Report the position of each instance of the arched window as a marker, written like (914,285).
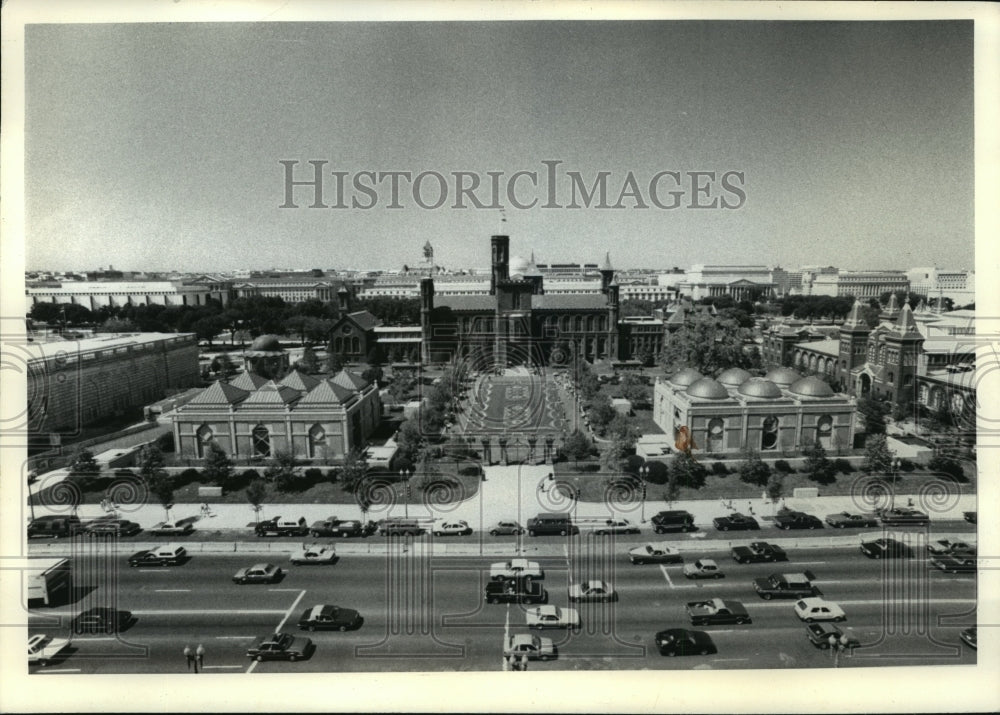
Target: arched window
(590,323)
(769,433)
(957,404)
(205,437)
(338,344)
(564,323)
(922,398)
(355,345)
(317,441)
(261,441)
(579,323)
(715,433)
(824,431)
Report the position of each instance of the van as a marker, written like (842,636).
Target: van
(675,520)
(53,527)
(551,523)
(397,527)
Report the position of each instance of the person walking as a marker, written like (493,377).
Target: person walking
(188,656)
(201,656)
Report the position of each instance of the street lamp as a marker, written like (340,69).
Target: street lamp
(405,475)
(895,473)
(643,475)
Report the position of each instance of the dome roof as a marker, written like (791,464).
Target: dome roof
(267,343)
(811,386)
(518,266)
(733,376)
(783,376)
(759,387)
(685,377)
(708,389)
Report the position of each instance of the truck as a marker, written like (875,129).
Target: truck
(797,520)
(48,580)
(785,585)
(341,527)
(758,551)
(716,610)
(515,590)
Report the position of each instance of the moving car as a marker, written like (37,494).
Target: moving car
(550,616)
(281,646)
(515,568)
(673,520)
(333,618)
(550,523)
(681,641)
(715,611)
(615,526)
(340,527)
(515,590)
(451,527)
(172,528)
(953,548)
(703,568)
(785,585)
(901,516)
(258,573)
(593,590)
(821,635)
(885,548)
(736,522)
(955,564)
(660,553)
(113,527)
(166,555)
(42,649)
(54,527)
(797,520)
(969,636)
(757,552)
(531,646)
(818,609)
(282,527)
(314,554)
(506,528)
(845,519)
(101,619)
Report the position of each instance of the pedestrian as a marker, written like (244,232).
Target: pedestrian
(201,655)
(188,656)
(524,662)
(750,507)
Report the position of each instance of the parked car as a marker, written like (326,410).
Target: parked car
(955,564)
(715,611)
(550,616)
(340,527)
(548,523)
(334,618)
(258,573)
(53,527)
(451,527)
(901,516)
(282,527)
(593,590)
(703,568)
(113,527)
(818,609)
(529,646)
(758,551)
(659,553)
(516,568)
(681,641)
(845,519)
(821,634)
(614,526)
(969,637)
(954,548)
(797,520)
(172,528)
(673,520)
(281,646)
(43,649)
(102,619)
(785,585)
(400,527)
(969,516)
(506,528)
(735,522)
(885,548)
(166,555)
(314,554)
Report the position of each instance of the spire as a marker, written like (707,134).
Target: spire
(607,262)
(855,319)
(891,310)
(906,326)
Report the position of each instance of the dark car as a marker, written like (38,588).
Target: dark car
(53,526)
(969,636)
(113,527)
(681,641)
(506,528)
(845,519)
(341,527)
(102,619)
(330,618)
(955,564)
(673,520)
(757,552)
(823,635)
(969,516)
(515,590)
(735,522)
(258,573)
(900,516)
(797,520)
(281,646)
(282,527)
(886,548)
(716,611)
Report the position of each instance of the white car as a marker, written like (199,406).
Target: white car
(314,554)
(531,646)
(593,590)
(451,527)
(818,609)
(703,568)
(515,568)
(615,526)
(42,649)
(549,616)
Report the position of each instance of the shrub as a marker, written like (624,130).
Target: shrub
(842,465)
(469,470)
(313,475)
(947,465)
(783,466)
(658,473)
(587,468)
(720,469)
(186,477)
(165,442)
(249,475)
(906,465)
(332,475)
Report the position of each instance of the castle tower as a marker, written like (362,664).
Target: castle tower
(903,343)
(613,311)
(343,299)
(426,308)
(853,344)
(891,311)
(607,273)
(500,261)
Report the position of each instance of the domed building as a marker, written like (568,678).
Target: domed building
(781,412)
(266,357)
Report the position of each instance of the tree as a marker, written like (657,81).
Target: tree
(308,363)
(149,460)
(601,413)
(372,374)
(687,472)
(84,463)
(256,493)
(218,466)
(633,389)
(410,441)
(113,325)
(946,465)
(672,489)
(223,364)
(281,470)
(645,356)
(709,344)
(878,456)
(577,446)
(161,485)
(817,466)
(402,386)
(873,412)
(207,327)
(335,361)
(354,469)
(753,470)
(614,455)
(774,488)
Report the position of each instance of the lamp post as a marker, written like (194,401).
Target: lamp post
(895,473)
(643,475)
(405,474)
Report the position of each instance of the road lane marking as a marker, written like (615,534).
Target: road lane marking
(234,638)
(206,667)
(95,638)
(289,611)
(284,590)
(59,670)
(729,660)
(663,570)
(172,590)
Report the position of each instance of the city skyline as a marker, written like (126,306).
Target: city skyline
(173,136)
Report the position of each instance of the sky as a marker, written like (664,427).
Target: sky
(158,146)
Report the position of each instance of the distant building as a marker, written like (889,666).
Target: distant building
(96,294)
(290,290)
(936,283)
(738,282)
(859,284)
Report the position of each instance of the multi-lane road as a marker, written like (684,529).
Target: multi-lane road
(424,612)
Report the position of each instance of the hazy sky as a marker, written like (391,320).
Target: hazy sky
(157,146)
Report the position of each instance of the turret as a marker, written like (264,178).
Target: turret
(501,261)
(343,299)
(607,273)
